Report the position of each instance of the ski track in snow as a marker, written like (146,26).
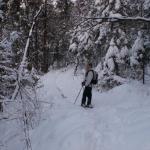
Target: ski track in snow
(120,119)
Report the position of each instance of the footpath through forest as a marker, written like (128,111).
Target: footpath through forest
(120,119)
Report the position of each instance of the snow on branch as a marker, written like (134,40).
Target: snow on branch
(119,18)
(21,67)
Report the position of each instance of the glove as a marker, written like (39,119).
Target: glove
(83,83)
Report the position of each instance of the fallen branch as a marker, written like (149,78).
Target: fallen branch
(21,67)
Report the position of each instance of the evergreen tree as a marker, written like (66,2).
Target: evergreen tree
(8,75)
(91,37)
(137,50)
(137,58)
(110,64)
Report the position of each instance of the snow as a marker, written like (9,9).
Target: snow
(111,1)
(113,50)
(146,4)
(117,4)
(102,34)
(97,2)
(23,5)
(83,38)
(124,52)
(14,36)
(73,47)
(115,15)
(137,49)
(1,14)
(7,42)
(120,118)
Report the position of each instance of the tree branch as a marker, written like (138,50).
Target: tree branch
(21,67)
(123,18)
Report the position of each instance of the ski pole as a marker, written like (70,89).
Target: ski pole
(78,95)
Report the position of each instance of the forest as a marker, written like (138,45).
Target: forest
(38,37)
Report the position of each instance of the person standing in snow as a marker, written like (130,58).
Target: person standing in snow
(87,93)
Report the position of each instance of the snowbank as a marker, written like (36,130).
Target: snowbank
(120,118)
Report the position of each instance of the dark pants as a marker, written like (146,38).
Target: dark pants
(87,94)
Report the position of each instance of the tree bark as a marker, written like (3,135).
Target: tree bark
(45,48)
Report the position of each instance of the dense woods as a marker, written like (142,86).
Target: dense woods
(72,33)
(40,35)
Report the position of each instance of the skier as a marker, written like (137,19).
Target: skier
(87,93)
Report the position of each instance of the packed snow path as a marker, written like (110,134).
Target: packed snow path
(120,119)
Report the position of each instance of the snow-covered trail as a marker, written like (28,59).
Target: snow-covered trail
(120,119)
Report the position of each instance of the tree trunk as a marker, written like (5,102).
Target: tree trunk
(36,48)
(143,68)
(45,48)
(1,107)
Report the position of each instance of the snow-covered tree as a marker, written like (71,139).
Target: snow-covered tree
(96,34)
(137,50)
(7,72)
(1,12)
(138,57)
(91,37)
(110,63)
